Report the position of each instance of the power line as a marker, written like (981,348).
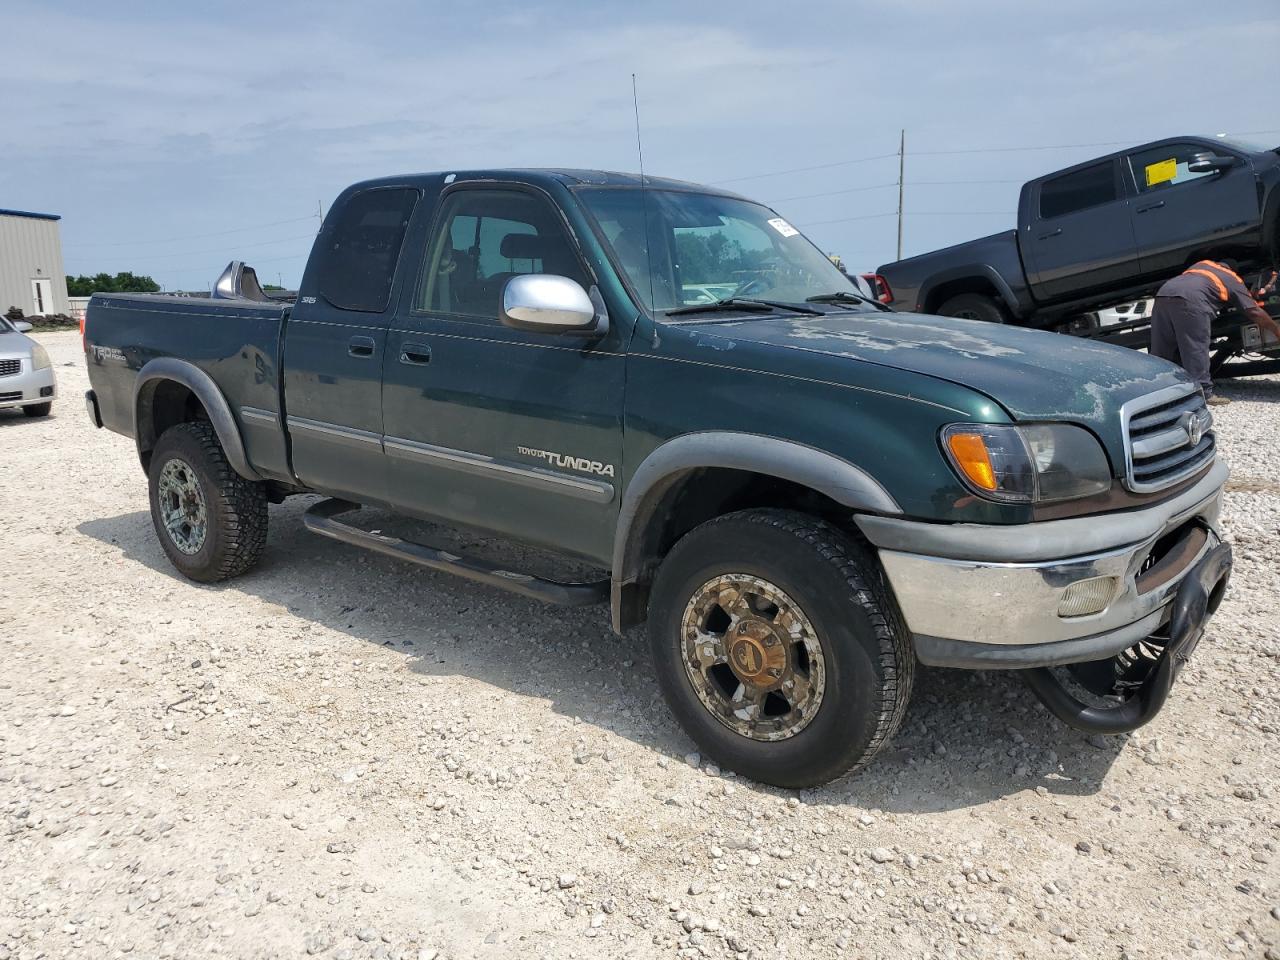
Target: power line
(1051,146)
(194,236)
(203,270)
(832,193)
(948,183)
(962,213)
(913,213)
(820,166)
(869,216)
(940,153)
(242,246)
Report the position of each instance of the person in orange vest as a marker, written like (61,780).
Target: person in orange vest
(1184,312)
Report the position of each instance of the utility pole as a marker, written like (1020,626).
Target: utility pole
(902,164)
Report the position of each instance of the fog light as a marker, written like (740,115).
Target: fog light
(1087,596)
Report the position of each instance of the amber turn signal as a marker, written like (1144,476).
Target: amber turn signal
(969,452)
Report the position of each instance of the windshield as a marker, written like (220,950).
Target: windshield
(702,248)
(1246,145)
(6,326)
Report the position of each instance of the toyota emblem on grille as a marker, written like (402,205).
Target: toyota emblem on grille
(1194,425)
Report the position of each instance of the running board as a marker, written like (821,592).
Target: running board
(319,519)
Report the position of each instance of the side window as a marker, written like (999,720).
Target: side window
(1078,190)
(362,247)
(1165,167)
(483,239)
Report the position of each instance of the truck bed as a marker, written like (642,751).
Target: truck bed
(129,330)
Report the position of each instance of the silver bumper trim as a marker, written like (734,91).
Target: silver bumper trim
(990,604)
(1049,539)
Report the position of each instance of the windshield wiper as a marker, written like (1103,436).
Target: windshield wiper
(744,303)
(845,296)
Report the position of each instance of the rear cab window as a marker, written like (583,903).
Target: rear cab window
(358,252)
(1091,186)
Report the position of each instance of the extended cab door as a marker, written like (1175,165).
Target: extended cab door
(1180,216)
(506,430)
(334,345)
(1078,237)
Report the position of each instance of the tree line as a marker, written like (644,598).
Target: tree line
(125,282)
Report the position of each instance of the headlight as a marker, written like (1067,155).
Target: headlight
(1027,464)
(39,357)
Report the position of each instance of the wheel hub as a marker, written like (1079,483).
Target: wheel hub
(182,506)
(752,657)
(756,655)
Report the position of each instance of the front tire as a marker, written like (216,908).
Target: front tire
(779,648)
(212,522)
(975,306)
(38,409)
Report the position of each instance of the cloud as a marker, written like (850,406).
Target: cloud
(152,121)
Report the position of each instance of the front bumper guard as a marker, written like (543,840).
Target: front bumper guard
(1194,603)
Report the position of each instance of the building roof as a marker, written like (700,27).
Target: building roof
(28,213)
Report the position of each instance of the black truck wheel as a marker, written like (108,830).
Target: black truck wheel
(975,306)
(779,648)
(212,522)
(38,409)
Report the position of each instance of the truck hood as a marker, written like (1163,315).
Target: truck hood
(1033,374)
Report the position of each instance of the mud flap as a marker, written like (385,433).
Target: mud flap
(1196,600)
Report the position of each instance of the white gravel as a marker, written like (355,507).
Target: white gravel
(340,755)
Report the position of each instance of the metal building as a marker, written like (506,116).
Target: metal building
(31,274)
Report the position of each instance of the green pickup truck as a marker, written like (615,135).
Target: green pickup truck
(800,492)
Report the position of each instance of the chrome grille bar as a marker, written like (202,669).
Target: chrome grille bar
(1168,437)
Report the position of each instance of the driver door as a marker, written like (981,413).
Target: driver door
(512,431)
(1180,216)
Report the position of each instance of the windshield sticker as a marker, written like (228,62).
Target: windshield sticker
(1161,172)
(784,228)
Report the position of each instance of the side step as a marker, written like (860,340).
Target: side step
(319,519)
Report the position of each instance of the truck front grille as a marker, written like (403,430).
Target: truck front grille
(9,367)
(12,395)
(1168,437)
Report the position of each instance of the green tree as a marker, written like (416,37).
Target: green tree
(124,282)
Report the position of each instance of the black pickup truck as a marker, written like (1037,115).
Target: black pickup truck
(802,492)
(1104,231)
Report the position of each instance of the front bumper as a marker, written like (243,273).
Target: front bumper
(989,597)
(28,386)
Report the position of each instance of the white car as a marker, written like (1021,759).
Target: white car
(1124,312)
(26,375)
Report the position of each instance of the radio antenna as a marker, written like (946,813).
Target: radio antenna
(644,193)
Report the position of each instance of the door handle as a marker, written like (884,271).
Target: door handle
(415,353)
(1150,206)
(1052,233)
(360,347)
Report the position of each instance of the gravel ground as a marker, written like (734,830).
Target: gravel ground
(344,756)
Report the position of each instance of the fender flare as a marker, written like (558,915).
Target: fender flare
(972,271)
(215,404)
(661,470)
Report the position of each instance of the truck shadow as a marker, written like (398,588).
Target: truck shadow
(13,417)
(968,738)
(1257,389)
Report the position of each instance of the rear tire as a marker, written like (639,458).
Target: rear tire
(792,583)
(212,522)
(975,306)
(38,409)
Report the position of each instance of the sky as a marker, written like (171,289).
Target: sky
(173,138)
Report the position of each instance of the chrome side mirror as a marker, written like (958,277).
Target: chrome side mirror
(21,326)
(547,303)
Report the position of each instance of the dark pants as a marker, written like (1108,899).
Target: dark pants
(1180,332)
